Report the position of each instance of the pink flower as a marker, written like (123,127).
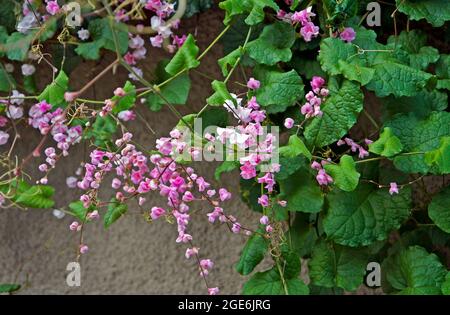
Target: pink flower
(3,121)
(206,264)
(282,203)
(317,82)
(362,153)
(253,84)
(224,194)
(3,137)
(74,226)
(213,291)
(156,41)
(348,34)
(308,31)
(126,115)
(248,171)
(263,200)
(191,252)
(323,178)
(264,220)
(52,7)
(315,165)
(84,249)
(157,212)
(93,215)
(129,58)
(393,188)
(236,228)
(269,229)
(289,123)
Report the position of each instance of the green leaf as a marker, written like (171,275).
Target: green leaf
(338,57)
(197,6)
(270,48)
(91,50)
(8,287)
(253,252)
(340,111)
(278,90)
(417,137)
(302,234)
(392,77)
(54,92)
(102,131)
(103,30)
(294,148)
(229,60)
(443,67)
(436,12)
(365,215)
(446,285)
(7,82)
(17,46)
(301,192)
(387,145)
(421,104)
(333,265)
(413,42)
(220,95)
(176,91)
(8,11)
(38,196)
(78,210)
(225,167)
(439,210)
(185,58)
(125,102)
(115,211)
(289,165)
(440,157)
(344,174)
(414,271)
(254,9)
(306,67)
(270,283)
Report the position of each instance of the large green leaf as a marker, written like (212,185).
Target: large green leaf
(270,48)
(439,210)
(26,195)
(54,92)
(278,90)
(9,287)
(414,271)
(365,215)
(17,46)
(220,94)
(344,174)
(106,30)
(440,158)
(419,136)
(254,9)
(301,192)
(115,210)
(185,58)
(270,283)
(7,82)
(446,285)
(435,12)
(333,265)
(127,101)
(340,112)
(295,147)
(78,210)
(414,43)
(387,145)
(253,252)
(90,50)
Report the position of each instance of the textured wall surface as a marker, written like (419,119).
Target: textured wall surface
(132,256)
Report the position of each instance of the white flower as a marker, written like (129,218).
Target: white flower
(71,181)
(29,21)
(28,69)
(3,137)
(138,72)
(162,30)
(136,42)
(83,34)
(239,112)
(17,98)
(58,213)
(14,112)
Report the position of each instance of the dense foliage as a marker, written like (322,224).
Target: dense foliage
(362,111)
